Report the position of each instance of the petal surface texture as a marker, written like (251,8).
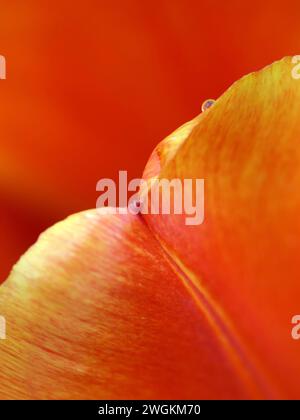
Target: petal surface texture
(92,312)
(245,256)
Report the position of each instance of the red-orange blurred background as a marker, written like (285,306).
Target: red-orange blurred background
(93,86)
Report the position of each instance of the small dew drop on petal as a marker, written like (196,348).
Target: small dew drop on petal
(207,104)
(135,207)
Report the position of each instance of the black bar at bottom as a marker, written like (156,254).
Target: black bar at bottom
(129,409)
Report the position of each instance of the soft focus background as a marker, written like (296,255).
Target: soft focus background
(93,86)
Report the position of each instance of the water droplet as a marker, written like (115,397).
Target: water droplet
(207,104)
(135,207)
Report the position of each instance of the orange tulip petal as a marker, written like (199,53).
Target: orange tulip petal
(245,256)
(93,313)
